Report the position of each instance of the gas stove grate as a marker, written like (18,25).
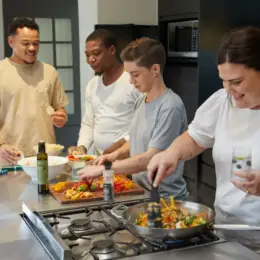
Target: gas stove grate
(141,246)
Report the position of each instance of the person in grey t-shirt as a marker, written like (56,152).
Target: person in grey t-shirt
(155,125)
(159,118)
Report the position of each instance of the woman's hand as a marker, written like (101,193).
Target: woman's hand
(91,172)
(251,184)
(164,163)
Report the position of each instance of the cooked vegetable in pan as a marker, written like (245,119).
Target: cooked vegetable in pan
(173,217)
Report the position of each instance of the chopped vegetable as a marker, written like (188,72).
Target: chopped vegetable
(173,217)
(86,194)
(93,187)
(83,189)
(84,185)
(80,158)
(59,186)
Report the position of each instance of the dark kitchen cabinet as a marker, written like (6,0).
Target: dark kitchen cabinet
(215,19)
(196,82)
(182,79)
(177,8)
(126,33)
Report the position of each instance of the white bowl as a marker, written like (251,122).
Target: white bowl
(80,164)
(51,149)
(56,165)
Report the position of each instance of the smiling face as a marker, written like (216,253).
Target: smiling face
(98,56)
(25,45)
(242,83)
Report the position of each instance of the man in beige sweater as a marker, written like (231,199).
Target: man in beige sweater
(32,98)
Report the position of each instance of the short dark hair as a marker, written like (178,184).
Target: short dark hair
(146,52)
(107,37)
(21,22)
(241,46)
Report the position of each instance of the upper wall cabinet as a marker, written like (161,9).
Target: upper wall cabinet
(178,8)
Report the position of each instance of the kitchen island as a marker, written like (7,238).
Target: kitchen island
(17,241)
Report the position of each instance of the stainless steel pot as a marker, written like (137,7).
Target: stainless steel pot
(129,215)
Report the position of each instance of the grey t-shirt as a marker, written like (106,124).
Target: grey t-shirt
(156,125)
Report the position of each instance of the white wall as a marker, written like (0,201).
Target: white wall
(87,19)
(92,12)
(143,12)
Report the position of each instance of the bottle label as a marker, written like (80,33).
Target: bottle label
(108,192)
(42,172)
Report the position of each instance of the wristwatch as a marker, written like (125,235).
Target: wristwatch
(108,165)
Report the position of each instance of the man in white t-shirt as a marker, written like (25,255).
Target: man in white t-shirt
(110,98)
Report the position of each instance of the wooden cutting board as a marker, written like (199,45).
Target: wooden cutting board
(97,195)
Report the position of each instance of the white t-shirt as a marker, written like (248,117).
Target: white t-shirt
(108,112)
(219,124)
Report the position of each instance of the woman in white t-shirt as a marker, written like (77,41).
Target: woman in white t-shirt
(229,118)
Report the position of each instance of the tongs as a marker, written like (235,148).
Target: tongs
(154,207)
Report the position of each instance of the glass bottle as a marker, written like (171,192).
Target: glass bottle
(42,169)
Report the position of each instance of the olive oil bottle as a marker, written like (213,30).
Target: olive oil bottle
(42,169)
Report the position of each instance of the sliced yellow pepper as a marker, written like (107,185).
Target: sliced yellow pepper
(172,202)
(164,203)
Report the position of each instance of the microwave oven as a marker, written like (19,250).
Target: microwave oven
(183,39)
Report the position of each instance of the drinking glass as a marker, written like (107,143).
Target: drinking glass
(241,161)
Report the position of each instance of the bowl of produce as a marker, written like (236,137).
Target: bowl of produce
(78,162)
(56,165)
(51,149)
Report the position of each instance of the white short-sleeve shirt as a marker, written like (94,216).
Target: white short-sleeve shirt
(218,124)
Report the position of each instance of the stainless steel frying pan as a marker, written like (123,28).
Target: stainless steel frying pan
(131,214)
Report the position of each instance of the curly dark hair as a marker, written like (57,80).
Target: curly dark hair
(21,22)
(107,37)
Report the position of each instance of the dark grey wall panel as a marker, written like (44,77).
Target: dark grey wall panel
(182,79)
(206,195)
(178,7)
(207,175)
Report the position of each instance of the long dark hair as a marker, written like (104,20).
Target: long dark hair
(241,46)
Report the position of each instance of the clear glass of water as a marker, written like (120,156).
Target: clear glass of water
(241,161)
(77,166)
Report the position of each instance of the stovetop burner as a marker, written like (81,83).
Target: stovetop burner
(106,246)
(80,224)
(174,242)
(94,233)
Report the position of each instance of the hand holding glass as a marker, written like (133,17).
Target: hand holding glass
(241,161)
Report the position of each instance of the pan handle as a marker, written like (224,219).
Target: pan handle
(236,227)
(118,210)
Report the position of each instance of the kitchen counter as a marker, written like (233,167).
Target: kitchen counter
(221,251)
(18,242)
(16,187)
(16,239)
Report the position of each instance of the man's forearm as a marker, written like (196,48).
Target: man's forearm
(86,134)
(115,146)
(134,164)
(123,152)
